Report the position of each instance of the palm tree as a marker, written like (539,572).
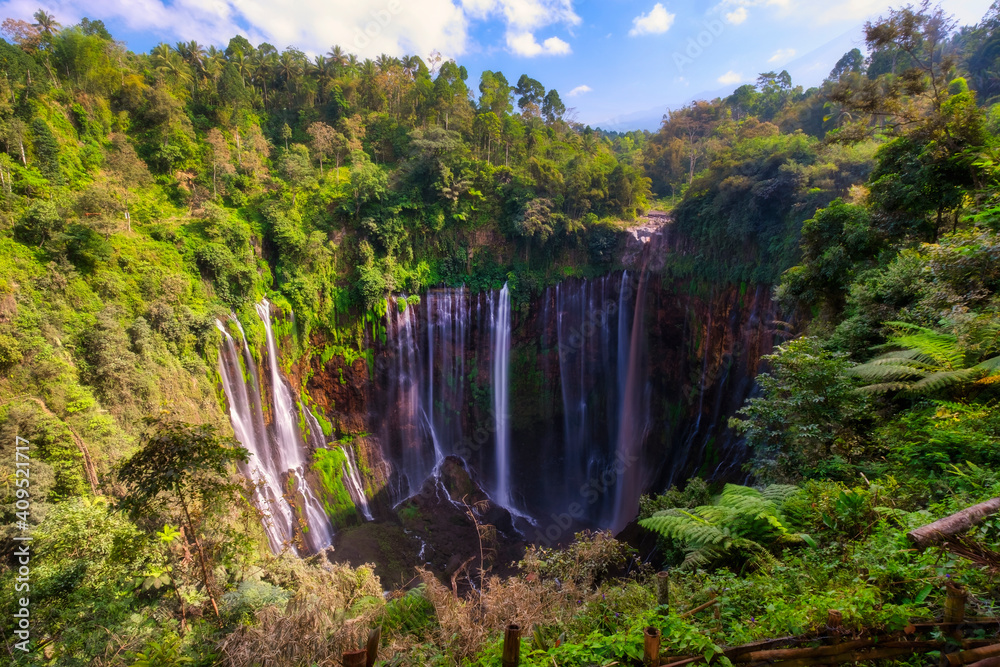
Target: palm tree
(242,65)
(46,24)
(195,55)
(385,62)
(369,85)
(263,65)
(47,28)
(214,63)
(309,91)
(289,70)
(338,59)
(411,65)
(322,68)
(352,65)
(171,66)
(160,53)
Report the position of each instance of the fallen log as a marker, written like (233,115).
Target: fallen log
(987,662)
(701,607)
(851,656)
(762,645)
(972,622)
(957,523)
(973,655)
(792,653)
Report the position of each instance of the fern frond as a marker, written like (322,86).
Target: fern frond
(740,490)
(942,348)
(779,493)
(686,529)
(989,366)
(883,387)
(886,371)
(942,379)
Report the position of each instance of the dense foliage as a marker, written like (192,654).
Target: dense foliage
(143,196)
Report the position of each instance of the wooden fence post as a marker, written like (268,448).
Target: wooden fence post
(663,590)
(355,658)
(954,606)
(651,647)
(372,647)
(834,619)
(512,646)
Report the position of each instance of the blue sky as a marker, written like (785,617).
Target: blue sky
(616,62)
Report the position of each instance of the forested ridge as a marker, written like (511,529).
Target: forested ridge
(144,197)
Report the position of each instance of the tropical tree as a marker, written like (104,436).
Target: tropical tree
(809,415)
(324,143)
(186,467)
(553,107)
(531,94)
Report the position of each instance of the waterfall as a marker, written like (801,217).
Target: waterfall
(447,315)
(354,485)
(289,441)
(500,332)
(436,348)
(248,424)
(633,417)
(570,440)
(351,479)
(409,427)
(585,322)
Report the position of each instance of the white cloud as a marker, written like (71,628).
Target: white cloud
(580,90)
(730,78)
(737,16)
(737,11)
(782,56)
(524,15)
(525,44)
(395,27)
(523,18)
(656,22)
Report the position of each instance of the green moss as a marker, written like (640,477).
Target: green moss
(329,463)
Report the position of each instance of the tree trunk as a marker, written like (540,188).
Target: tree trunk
(201,557)
(957,523)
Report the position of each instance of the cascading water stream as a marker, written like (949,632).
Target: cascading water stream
(248,425)
(354,485)
(350,477)
(410,412)
(290,445)
(500,331)
(633,417)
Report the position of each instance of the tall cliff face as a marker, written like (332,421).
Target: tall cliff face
(565,409)
(701,347)
(617,385)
